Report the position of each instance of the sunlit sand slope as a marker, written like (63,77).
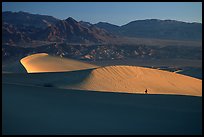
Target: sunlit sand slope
(133,79)
(43,62)
(129,79)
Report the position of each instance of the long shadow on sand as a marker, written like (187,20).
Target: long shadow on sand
(46,79)
(52,111)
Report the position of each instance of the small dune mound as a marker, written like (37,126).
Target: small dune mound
(132,79)
(43,62)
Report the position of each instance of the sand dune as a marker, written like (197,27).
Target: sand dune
(48,103)
(128,79)
(131,79)
(43,62)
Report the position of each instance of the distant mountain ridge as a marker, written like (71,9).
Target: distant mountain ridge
(155,28)
(28,19)
(70,30)
(21,27)
(109,27)
(24,34)
(24,27)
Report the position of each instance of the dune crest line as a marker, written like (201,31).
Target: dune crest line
(128,79)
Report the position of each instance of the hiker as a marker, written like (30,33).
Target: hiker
(146,91)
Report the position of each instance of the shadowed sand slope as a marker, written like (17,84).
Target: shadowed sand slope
(51,111)
(13,67)
(43,62)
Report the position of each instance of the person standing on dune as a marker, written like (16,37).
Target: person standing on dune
(146,91)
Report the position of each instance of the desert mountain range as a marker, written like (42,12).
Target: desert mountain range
(25,27)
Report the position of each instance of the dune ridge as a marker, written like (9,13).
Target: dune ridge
(132,79)
(128,79)
(42,62)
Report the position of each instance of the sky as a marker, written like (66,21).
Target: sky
(118,13)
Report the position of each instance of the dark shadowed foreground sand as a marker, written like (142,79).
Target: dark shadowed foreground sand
(46,110)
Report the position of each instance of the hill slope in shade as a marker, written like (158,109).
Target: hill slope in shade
(129,79)
(43,62)
(156,28)
(28,20)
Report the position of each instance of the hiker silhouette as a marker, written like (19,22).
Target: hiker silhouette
(146,91)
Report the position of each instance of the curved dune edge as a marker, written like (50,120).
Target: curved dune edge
(132,79)
(42,62)
(127,79)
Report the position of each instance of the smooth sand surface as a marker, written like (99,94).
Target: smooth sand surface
(111,79)
(132,79)
(42,62)
(31,110)
(128,79)
(13,67)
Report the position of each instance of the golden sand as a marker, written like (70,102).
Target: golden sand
(132,79)
(43,62)
(128,79)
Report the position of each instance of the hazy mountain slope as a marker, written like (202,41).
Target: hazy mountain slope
(28,20)
(70,30)
(46,28)
(11,34)
(109,27)
(155,28)
(85,24)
